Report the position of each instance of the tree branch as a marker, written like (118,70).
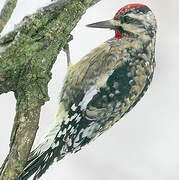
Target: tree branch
(27,55)
(6,12)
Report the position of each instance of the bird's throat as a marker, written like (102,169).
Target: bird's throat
(119,35)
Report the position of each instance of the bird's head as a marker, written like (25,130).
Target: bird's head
(132,20)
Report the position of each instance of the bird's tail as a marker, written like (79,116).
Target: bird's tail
(51,147)
(39,163)
(34,164)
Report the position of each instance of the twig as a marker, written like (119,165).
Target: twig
(6,12)
(67,52)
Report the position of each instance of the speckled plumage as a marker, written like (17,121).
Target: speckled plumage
(100,88)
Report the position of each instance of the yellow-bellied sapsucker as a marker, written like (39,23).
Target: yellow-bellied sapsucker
(100,88)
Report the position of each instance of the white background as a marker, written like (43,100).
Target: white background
(144,145)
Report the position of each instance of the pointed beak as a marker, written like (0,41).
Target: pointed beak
(110,24)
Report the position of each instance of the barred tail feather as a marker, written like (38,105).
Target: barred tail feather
(33,165)
(43,156)
(38,164)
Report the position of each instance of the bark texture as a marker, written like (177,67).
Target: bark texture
(27,55)
(6,12)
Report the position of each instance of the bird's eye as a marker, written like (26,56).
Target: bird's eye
(130,20)
(127,19)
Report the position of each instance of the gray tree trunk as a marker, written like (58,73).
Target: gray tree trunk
(27,55)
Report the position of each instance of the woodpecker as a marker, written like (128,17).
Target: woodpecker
(101,88)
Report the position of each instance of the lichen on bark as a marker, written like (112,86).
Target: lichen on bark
(6,12)
(27,55)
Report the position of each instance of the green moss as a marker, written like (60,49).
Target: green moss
(26,56)
(30,51)
(6,12)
